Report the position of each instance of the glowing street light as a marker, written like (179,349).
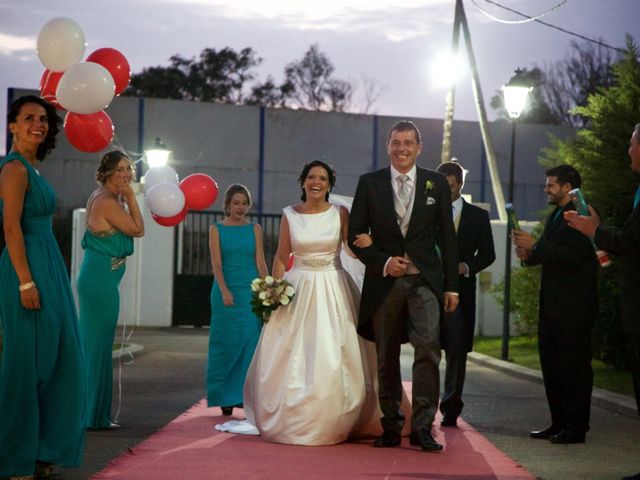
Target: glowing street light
(515,92)
(158,156)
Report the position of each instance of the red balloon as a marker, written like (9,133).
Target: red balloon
(170,221)
(290,262)
(200,191)
(88,133)
(48,85)
(117,65)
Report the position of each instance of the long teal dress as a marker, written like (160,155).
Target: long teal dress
(100,274)
(234,330)
(42,382)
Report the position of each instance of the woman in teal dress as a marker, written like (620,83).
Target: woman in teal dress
(237,257)
(113,218)
(42,382)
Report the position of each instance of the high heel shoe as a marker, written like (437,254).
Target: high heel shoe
(43,470)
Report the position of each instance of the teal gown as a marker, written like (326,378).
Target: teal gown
(42,382)
(102,269)
(234,330)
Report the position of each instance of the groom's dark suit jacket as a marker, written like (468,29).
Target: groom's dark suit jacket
(431,224)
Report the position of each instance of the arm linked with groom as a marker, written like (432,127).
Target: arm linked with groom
(411,276)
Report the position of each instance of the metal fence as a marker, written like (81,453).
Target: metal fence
(193,256)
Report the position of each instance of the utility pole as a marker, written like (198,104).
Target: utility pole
(460,20)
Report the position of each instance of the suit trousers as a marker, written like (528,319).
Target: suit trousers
(455,347)
(564,344)
(410,310)
(634,357)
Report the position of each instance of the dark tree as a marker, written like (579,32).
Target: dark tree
(216,76)
(570,82)
(561,87)
(314,87)
(537,111)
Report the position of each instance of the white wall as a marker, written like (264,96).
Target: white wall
(146,291)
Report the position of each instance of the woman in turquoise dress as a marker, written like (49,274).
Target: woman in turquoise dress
(113,218)
(237,257)
(42,382)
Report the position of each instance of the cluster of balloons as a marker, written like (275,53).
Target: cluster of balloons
(84,89)
(170,199)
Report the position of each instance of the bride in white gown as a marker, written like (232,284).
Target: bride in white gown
(311,381)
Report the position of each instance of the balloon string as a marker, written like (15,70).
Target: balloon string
(124,350)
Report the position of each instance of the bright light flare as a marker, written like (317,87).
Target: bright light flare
(446,69)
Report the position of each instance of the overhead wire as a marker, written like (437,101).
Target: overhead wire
(537,19)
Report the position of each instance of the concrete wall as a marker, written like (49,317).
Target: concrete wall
(224,141)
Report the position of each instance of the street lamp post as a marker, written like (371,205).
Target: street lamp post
(515,94)
(158,156)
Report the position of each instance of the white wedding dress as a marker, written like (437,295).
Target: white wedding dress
(312,378)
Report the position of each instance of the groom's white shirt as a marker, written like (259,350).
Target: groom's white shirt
(395,185)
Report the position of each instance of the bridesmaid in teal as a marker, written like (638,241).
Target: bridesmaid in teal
(112,219)
(237,257)
(42,382)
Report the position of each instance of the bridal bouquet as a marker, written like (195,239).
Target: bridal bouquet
(268,294)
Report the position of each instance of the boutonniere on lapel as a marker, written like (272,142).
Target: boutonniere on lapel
(428,186)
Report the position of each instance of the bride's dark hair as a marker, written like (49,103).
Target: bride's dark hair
(307,168)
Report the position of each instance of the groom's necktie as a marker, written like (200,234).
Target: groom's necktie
(636,199)
(403,191)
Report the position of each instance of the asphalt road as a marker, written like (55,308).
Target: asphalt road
(168,377)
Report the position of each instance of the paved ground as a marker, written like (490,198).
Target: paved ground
(168,377)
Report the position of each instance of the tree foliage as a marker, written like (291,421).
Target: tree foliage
(215,76)
(537,111)
(313,85)
(566,84)
(599,153)
(228,76)
(570,82)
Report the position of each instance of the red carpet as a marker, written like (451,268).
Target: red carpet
(189,448)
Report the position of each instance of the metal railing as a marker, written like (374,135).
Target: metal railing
(192,245)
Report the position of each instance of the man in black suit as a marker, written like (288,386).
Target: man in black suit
(407,211)
(568,308)
(475,253)
(624,242)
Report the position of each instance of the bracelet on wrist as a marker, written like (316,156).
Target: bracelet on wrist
(26,286)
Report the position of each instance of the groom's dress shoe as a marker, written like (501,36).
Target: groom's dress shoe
(387,440)
(545,434)
(567,436)
(425,441)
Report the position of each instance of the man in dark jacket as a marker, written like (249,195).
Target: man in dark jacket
(475,253)
(568,309)
(625,243)
(407,211)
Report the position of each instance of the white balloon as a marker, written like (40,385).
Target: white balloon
(156,175)
(60,44)
(85,88)
(165,199)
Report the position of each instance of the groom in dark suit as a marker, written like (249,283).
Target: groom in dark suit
(411,276)
(475,253)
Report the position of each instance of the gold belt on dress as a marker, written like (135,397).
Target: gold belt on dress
(117,262)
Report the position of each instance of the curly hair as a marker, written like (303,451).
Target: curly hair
(108,164)
(53,120)
(331,173)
